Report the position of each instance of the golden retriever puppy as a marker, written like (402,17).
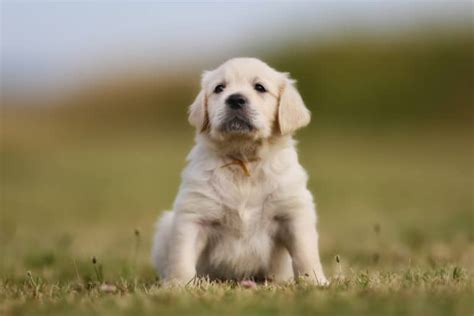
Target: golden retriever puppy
(243,210)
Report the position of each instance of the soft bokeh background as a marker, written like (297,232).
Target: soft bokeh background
(94,130)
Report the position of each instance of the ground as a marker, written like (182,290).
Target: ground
(394,208)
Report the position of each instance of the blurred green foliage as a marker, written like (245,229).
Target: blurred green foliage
(361,81)
(394,80)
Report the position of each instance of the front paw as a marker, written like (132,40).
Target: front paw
(179,279)
(322,281)
(177,283)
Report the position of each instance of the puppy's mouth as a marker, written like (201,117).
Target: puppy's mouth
(237,124)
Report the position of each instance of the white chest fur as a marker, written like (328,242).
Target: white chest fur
(241,235)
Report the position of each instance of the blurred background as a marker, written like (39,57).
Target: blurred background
(94,131)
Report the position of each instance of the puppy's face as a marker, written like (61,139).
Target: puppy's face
(246,98)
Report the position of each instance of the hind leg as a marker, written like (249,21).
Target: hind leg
(179,241)
(160,249)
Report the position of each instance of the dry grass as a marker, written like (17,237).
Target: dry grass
(395,207)
(441,291)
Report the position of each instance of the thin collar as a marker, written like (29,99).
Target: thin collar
(241,163)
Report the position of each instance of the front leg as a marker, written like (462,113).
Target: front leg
(187,241)
(301,239)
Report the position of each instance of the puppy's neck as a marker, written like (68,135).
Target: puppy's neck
(245,149)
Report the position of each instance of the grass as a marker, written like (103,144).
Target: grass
(394,206)
(440,291)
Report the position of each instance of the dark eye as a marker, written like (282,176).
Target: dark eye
(219,88)
(260,88)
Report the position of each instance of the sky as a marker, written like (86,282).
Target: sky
(51,44)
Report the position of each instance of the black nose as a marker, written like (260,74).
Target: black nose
(236,101)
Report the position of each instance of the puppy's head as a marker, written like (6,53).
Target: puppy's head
(244,97)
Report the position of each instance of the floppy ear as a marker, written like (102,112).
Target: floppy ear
(198,112)
(292,113)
